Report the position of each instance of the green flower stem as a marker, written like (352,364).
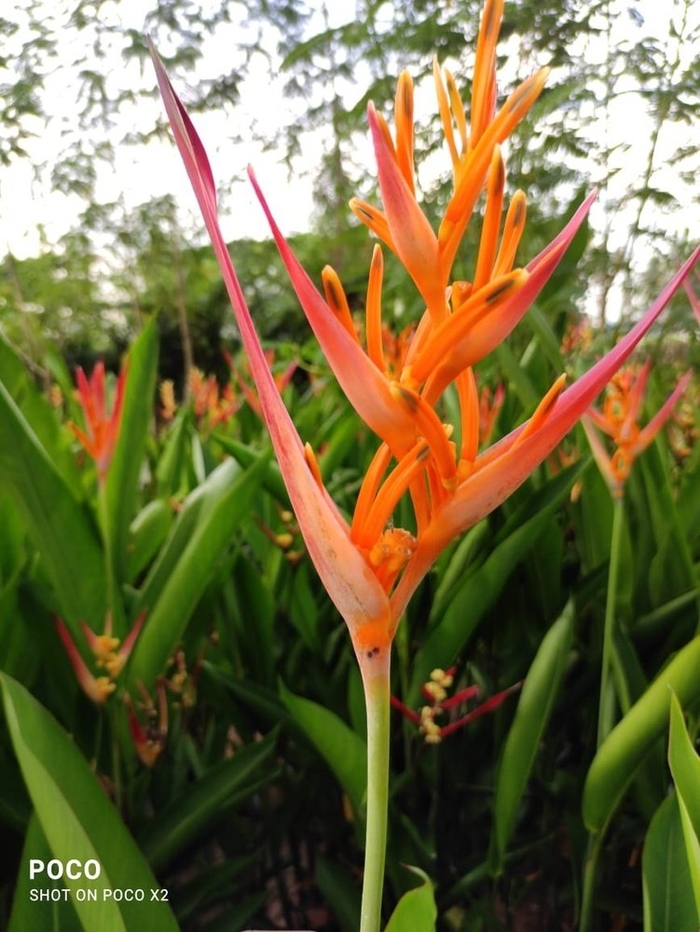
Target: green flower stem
(375,676)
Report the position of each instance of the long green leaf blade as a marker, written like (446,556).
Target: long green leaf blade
(535,705)
(79,821)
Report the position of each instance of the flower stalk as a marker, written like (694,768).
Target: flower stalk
(377,687)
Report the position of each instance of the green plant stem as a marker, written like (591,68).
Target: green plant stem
(375,676)
(590,870)
(606,707)
(103,511)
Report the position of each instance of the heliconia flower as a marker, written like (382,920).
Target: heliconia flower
(369,567)
(435,691)
(149,739)
(110,655)
(217,405)
(98,689)
(619,420)
(578,338)
(102,429)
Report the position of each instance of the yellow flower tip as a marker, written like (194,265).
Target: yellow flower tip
(335,295)
(362,209)
(554,392)
(465,468)
(435,691)
(312,463)
(406,396)
(429,728)
(406,379)
(542,411)
(103,647)
(114,664)
(284,541)
(524,96)
(498,290)
(450,483)
(404,97)
(100,689)
(337,300)
(441,677)
(373,218)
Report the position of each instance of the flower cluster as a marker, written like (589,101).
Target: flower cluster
(101,428)
(369,566)
(110,655)
(439,703)
(619,420)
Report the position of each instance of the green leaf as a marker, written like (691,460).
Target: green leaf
(30,912)
(169,470)
(341,892)
(416,910)
(212,884)
(37,412)
(61,529)
(147,533)
(626,746)
(685,769)
(535,705)
(79,821)
(203,531)
(271,479)
(122,484)
(252,601)
(261,700)
(343,750)
(202,804)
(669,904)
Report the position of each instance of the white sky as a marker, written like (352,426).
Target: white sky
(142,172)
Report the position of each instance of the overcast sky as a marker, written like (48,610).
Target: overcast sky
(142,172)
